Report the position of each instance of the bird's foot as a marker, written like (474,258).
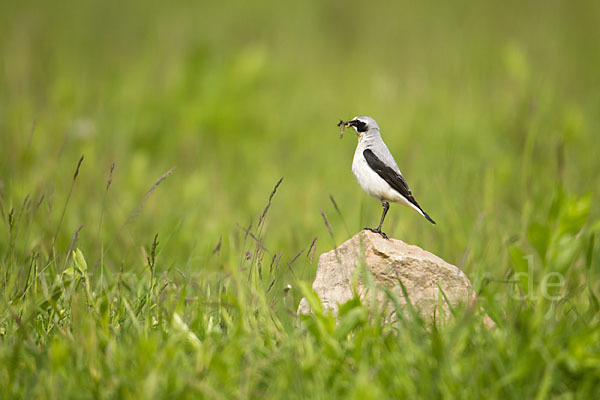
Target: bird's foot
(383,235)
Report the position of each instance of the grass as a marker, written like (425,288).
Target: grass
(148,241)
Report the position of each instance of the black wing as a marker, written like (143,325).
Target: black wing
(394,179)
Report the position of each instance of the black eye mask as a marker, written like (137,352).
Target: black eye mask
(359,125)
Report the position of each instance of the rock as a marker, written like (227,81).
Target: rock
(390,260)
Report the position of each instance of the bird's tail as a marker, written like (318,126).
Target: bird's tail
(428,217)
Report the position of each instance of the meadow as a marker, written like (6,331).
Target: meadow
(167,169)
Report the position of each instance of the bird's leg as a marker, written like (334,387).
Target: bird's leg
(386,206)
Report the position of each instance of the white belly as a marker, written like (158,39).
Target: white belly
(373,184)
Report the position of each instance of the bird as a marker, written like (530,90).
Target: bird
(376,170)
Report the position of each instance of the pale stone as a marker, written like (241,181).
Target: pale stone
(390,260)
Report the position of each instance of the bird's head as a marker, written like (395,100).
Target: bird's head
(361,124)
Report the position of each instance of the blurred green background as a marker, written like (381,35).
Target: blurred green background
(475,99)
(488,107)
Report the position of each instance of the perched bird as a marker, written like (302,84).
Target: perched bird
(376,170)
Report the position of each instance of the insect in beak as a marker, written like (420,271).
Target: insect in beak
(343,125)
